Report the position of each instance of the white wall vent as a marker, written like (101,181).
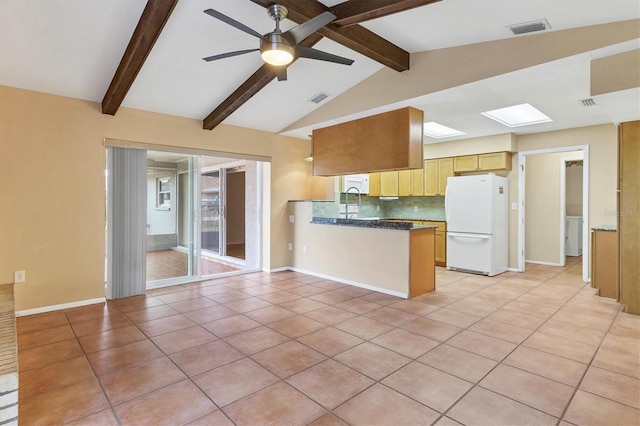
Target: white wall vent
(529,27)
(316,99)
(588,102)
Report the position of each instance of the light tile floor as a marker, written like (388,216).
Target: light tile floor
(286,348)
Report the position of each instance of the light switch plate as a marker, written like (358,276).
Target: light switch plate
(514,206)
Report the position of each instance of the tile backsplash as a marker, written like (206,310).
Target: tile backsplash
(428,208)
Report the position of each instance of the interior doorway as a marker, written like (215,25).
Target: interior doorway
(545,204)
(571,207)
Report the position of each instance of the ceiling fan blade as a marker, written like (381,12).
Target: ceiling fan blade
(311,53)
(232,22)
(305,29)
(228,54)
(281,73)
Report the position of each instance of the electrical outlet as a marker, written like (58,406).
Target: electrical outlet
(415,208)
(19,277)
(514,206)
(292,218)
(377,208)
(304,248)
(290,246)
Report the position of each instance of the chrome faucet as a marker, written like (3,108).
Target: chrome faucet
(346,200)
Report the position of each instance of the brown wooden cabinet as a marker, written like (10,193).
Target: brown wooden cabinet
(441,241)
(482,162)
(629,215)
(374,185)
(494,161)
(411,182)
(436,173)
(467,163)
(388,184)
(445,170)
(604,262)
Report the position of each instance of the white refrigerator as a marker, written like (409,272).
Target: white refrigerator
(477,224)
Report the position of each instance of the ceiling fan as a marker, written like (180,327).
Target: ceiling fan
(280,48)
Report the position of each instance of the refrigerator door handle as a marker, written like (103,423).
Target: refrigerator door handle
(476,236)
(446,203)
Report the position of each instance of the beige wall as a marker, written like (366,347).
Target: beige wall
(52,207)
(483,145)
(602,142)
(370,257)
(542,207)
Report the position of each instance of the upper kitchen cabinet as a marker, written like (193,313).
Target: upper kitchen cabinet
(436,173)
(389,184)
(467,163)
(482,162)
(411,182)
(388,141)
(374,185)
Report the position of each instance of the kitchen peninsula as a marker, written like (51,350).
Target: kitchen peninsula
(396,258)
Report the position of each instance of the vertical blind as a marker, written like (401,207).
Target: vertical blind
(127,227)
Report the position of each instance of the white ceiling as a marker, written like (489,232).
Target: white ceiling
(73,47)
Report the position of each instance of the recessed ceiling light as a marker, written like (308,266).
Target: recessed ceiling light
(437,131)
(517,115)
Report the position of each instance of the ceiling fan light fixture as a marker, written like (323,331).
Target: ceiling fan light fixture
(276,51)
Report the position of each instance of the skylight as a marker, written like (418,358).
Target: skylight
(517,115)
(437,131)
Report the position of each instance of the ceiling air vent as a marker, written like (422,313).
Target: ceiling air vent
(529,27)
(588,102)
(316,99)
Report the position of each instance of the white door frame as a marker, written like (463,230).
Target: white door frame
(522,156)
(563,205)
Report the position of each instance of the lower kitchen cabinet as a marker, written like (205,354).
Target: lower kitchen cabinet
(604,262)
(441,240)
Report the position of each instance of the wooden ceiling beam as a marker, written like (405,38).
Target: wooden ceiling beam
(355,37)
(349,34)
(152,21)
(357,11)
(242,94)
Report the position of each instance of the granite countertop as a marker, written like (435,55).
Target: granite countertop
(312,201)
(608,228)
(370,223)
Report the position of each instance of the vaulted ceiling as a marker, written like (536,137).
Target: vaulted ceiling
(148,55)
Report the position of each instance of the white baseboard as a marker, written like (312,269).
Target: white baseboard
(353,283)
(282,269)
(512,270)
(60,307)
(543,263)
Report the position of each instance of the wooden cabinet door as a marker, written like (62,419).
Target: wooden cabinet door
(431,181)
(628,217)
(441,248)
(388,184)
(445,170)
(417,182)
(467,163)
(404,183)
(374,185)
(604,265)
(494,161)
